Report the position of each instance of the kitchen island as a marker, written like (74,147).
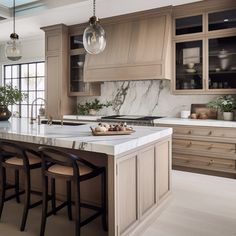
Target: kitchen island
(138,166)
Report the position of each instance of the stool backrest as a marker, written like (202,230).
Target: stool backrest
(10,149)
(51,156)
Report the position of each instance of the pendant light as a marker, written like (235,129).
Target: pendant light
(13,47)
(94,38)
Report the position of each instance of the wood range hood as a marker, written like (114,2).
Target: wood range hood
(138,48)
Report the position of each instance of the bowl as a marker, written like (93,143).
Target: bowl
(80,63)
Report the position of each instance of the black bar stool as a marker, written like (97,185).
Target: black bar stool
(73,169)
(16,157)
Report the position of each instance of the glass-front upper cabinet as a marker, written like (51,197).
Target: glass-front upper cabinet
(188,25)
(222,20)
(77,59)
(189,66)
(222,63)
(77,55)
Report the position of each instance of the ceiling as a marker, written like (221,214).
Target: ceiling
(33,14)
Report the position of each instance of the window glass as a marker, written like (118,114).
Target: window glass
(188,25)
(222,20)
(30,79)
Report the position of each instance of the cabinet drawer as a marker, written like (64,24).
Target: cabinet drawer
(181,145)
(194,161)
(207,132)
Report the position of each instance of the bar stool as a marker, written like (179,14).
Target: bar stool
(73,169)
(18,158)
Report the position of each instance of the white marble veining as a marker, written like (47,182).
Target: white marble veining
(79,137)
(150,97)
(196,122)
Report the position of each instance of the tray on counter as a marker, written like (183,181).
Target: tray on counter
(112,133)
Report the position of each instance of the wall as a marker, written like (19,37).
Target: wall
(144,98)
(32,50)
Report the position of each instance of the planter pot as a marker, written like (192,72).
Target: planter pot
(228,115)
(92,112)
(5,114)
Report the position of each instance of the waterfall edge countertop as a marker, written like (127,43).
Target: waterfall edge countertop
(79,137)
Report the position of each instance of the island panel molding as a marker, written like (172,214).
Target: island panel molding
(134,199)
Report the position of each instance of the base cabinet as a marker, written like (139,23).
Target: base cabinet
(143,182)
(210,150)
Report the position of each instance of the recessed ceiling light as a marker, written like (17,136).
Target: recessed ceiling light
(226,20)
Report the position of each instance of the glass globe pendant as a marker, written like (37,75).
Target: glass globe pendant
(13,47)
(94,37)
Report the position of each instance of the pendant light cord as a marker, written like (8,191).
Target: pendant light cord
(14,16)
(94,7)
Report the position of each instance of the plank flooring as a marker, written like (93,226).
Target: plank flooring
(201,206)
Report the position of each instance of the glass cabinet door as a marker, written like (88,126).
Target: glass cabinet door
(189,71)
(76,73)
(188,25)
(76,42)
(222,20)
(222,63)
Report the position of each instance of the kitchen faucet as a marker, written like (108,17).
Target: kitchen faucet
(32,106)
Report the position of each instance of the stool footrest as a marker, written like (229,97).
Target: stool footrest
(13,196)
(89,219)
(58,208)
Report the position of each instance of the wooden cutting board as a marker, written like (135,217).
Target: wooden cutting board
(112,133)
(202,108)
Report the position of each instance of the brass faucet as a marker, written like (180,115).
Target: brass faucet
(32,106)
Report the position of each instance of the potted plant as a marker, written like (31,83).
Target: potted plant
(8,96)
(91,108)
(226,104)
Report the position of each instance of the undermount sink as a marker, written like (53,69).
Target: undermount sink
(64,123)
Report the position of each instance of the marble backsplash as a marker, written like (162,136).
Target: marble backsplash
(151,97)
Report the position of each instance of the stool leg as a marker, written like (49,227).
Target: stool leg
(103,200)
(53,192)
(68,187)
(77,207)
(27,199)
(45,205)
(17,186)
(2,188)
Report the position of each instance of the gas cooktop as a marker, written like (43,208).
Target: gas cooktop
(131,117)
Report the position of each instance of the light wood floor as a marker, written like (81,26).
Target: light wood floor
(201,206)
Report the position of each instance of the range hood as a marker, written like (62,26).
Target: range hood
(138,48)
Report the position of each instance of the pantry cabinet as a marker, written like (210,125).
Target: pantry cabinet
(56,62)
(205,49)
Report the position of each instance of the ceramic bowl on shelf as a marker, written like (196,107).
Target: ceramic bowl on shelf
(80,63)
(190,70)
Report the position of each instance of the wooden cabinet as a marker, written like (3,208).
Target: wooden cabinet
(204,41)
(56,46)
(77,55)
(211,149)
(138,48)
(143,183)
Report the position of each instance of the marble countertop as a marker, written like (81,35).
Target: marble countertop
(196,122)
(79,137)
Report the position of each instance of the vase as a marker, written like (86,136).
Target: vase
(228,116)
(5,114)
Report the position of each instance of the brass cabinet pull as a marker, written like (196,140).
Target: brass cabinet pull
(210,162)
(190,132)
(189,144)
(210,147)
(210,133)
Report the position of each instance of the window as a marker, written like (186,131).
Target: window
(29,78)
